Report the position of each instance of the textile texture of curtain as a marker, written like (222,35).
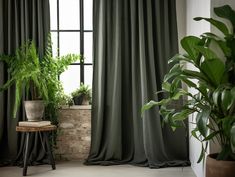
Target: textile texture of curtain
(20,21)
(133,41)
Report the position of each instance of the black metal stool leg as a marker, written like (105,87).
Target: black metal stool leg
(49,150)
(26,154)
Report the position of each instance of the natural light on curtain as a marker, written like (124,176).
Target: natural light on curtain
(66,39)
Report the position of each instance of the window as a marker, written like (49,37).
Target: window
(71,32)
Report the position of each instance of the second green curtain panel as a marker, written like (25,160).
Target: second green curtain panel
(133,39)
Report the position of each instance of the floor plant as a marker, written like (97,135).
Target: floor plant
(212,77)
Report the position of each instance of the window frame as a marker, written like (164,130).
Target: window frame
(82,31)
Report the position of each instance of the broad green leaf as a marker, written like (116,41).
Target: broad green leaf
(232,136)
(194,133)
(203,88)
(226,50)
(178,94)
(233,92)
(178,58)
(211,136)
(179,116)
(216,96)
(187,81)
(211,36)
(188,43)
(174,71)
(206,52)
(214,69)
(195,75)
(226,100)
(226,12)
(166,86)
(152,103)
(202,120)
(218,24)
(202,154)
(220,42)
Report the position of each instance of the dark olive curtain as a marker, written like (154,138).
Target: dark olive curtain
(20,20)
(133,39)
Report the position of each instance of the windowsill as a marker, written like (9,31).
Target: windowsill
(81,107)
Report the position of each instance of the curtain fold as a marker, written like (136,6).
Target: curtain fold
(132,42)
(20,20)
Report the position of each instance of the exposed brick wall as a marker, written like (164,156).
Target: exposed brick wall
(73,141)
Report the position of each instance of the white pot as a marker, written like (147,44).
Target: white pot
(34,110)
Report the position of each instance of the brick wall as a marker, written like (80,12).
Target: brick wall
(73,141)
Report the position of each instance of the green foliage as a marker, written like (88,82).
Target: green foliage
(82,90)
(212,78)
(25,71)
(37,77)
(52,67)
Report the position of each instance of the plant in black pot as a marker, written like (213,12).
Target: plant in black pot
(213,80)
(82,96)
(34,77)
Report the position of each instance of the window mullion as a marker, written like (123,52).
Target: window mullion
(82,40)
(58,28)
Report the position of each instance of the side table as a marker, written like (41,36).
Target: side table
(43,131)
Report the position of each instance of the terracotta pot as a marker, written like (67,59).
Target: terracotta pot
(219,168)
(34,110)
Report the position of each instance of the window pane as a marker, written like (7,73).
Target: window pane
(88,73)
(69,43)
(69,14)
(88,47)
(53,14)
(54,43)
(71,78)
(88,14)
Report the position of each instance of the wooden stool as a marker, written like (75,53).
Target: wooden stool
(42,131)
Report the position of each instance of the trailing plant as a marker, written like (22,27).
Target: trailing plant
(213,81)
(52,67)
(65,100)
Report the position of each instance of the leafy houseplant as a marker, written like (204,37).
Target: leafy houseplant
(82,95)
(213,79)
(37,77)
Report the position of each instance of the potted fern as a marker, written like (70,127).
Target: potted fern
(82,95)
(213,79)
(31,75)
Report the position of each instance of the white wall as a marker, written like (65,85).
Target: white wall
(181,20)
(196,8)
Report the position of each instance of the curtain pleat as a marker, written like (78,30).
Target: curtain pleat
(133,39)
(20,21)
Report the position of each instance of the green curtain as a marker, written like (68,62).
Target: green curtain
(133,39)
(20,20)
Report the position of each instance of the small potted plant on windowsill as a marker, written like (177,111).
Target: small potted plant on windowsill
(82,96)
(38,78)
(213,79)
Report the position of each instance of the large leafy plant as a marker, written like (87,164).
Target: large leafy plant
(36,77)
(213,81)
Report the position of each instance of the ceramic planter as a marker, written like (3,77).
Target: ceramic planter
(78,100)
(219,168)
(34,110)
